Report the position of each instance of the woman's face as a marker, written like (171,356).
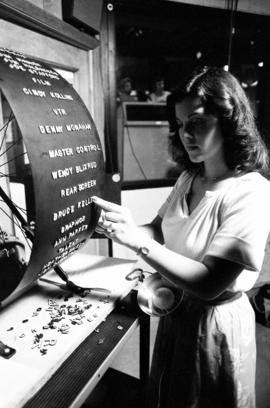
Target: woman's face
(199,132)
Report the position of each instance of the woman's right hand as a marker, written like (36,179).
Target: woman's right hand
(116,222)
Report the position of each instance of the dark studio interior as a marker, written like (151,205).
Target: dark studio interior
(170,40)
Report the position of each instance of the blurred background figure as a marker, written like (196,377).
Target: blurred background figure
(159,95)
(126,93)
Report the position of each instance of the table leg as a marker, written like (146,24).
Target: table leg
(144,320)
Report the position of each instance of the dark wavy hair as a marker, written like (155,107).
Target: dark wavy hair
(223,96)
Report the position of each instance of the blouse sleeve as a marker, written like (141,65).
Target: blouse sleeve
(244,227)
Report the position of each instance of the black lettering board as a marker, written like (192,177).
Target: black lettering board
(65,157)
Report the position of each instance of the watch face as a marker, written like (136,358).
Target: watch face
(144,251)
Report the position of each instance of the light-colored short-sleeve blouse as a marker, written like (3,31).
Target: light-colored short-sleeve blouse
(231,223)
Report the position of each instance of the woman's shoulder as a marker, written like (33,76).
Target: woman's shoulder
(247,203)
(253,180)
(184,178)
(182,183)
(250,186)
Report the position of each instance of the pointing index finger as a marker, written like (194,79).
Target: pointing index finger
(106,205)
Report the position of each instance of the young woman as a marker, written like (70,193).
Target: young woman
(208,238)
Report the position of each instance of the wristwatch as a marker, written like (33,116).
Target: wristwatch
(143,251)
